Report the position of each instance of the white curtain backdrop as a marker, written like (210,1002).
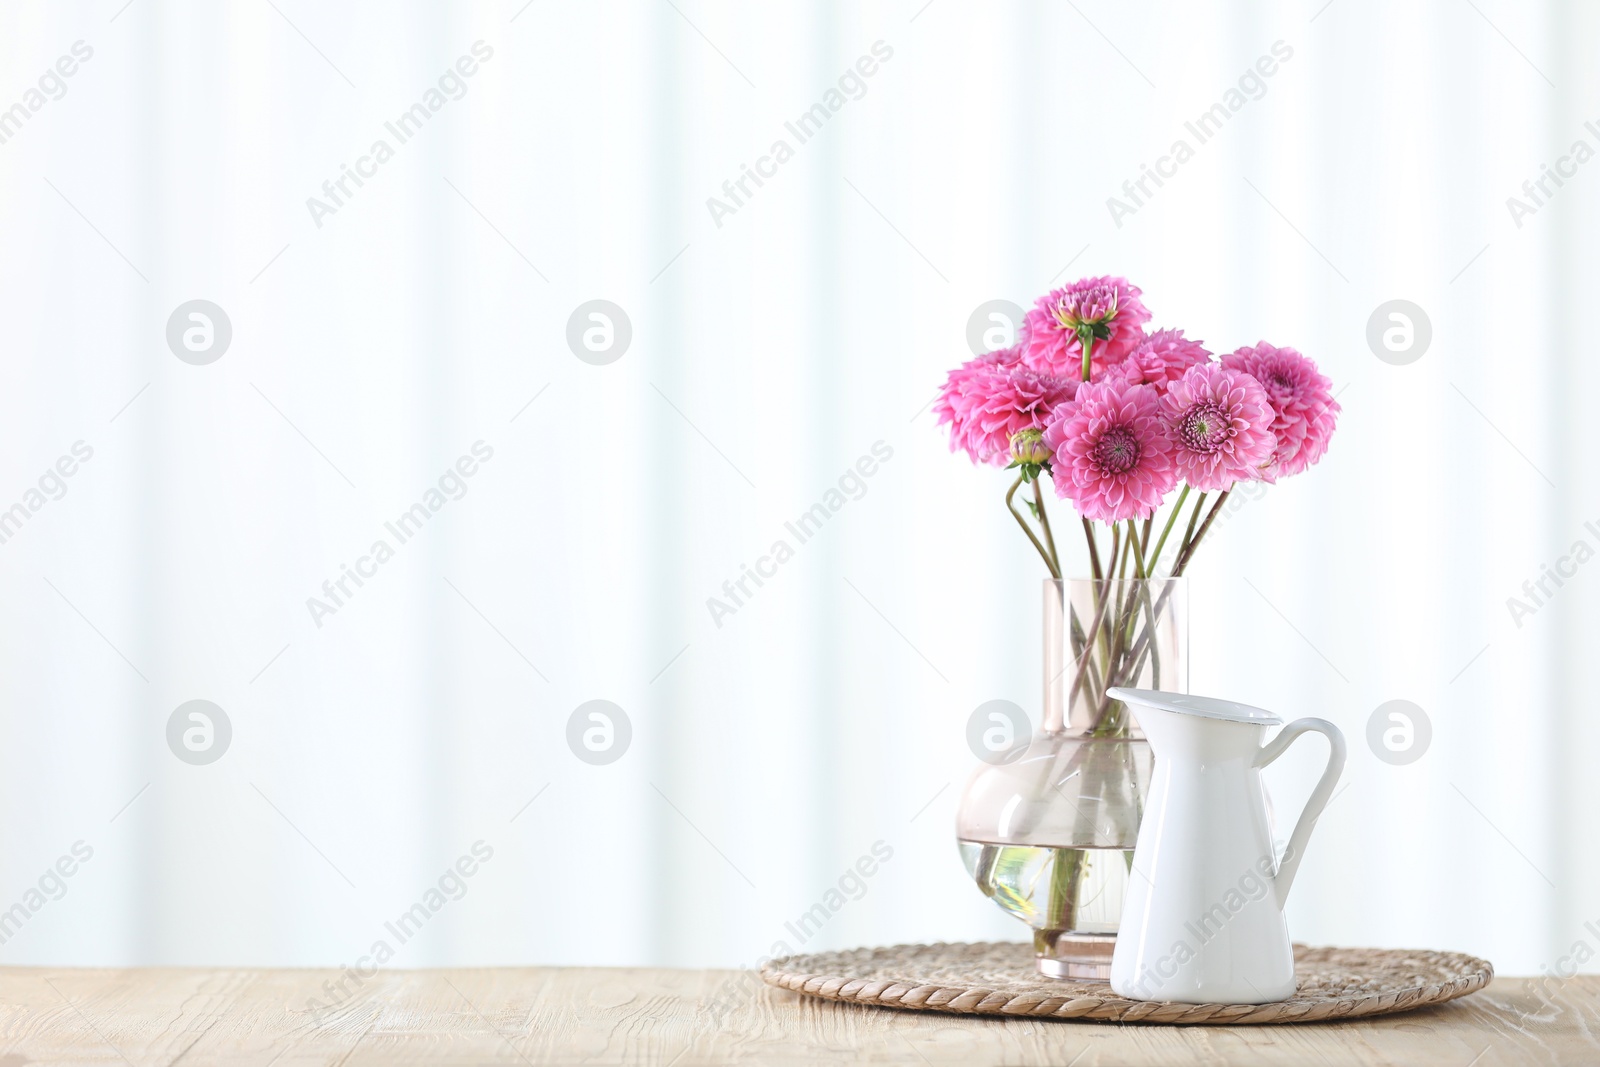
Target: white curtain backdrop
(775,341)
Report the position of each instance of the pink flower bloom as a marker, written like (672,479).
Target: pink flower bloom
(1113,458)
(988,399)
(1161,358)
(1220,422)
(1304,410)
(1106,309)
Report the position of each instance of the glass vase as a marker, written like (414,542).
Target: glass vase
(1047,827)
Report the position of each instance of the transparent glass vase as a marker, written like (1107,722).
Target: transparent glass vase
(1047,828)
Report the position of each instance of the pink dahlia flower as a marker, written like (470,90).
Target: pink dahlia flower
(991,398)
(1161,358)
(1113,458)
(1304,410)
(1105,310)
(1220,422)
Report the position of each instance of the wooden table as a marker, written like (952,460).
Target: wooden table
(683,1018)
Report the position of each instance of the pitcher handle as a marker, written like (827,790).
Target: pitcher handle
(1319,796)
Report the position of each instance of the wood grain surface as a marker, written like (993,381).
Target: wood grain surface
(683,1018)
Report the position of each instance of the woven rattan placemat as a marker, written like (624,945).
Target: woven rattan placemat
(998,978)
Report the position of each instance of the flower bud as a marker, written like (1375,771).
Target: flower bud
(1028,448)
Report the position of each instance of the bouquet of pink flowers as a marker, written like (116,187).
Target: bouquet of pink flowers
(1118,418)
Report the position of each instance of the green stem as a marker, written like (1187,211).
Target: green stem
(1044,522)
(1176,508)
(1118,601)
(1150,621)
(1201,533)
(1061,909)
(1055,572)
(1094,551)
(1138,551)
(1086,673)
(1188,534)
(1108,588)
(1126,640)
(1087,343)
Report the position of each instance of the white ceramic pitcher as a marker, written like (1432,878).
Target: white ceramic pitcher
(1203,921)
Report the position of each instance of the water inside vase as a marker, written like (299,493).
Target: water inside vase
(1090,886)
